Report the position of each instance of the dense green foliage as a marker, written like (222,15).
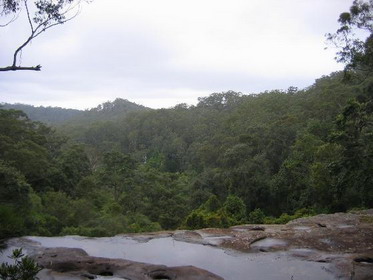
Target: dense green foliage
(232,158)
(24,268)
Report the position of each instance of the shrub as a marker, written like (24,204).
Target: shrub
(24,268)
(235,208)
(256,217)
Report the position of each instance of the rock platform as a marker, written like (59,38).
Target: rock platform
(344,240)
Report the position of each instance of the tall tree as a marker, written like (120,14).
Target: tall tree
(355,52)
(354,125)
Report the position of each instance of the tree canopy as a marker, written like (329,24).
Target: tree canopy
(355,51)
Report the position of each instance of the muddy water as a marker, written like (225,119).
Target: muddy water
(167,251)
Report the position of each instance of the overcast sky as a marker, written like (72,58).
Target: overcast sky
(160,53)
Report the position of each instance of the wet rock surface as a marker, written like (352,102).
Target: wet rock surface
(336,233)
(341,244)
(344,239)
(73,263)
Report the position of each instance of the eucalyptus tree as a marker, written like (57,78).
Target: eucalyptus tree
(355,51)
(40,15)
(354,125)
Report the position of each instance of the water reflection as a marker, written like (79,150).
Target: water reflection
(167,251)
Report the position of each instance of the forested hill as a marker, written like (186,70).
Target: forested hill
(58,116)
(230,159)
(108,111)
(48,115)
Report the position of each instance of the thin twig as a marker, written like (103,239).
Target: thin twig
(28,16)
(15,17)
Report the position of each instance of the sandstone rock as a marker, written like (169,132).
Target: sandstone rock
(77,264)
(343,240)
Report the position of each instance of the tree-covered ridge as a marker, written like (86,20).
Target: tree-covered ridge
(48,115)
(245,146)
(230,159)
(59,116)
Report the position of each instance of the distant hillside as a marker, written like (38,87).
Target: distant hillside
(58,116)
(48,115)
(109,110)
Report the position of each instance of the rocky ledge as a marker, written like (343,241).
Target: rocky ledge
(65,263)
(344,240)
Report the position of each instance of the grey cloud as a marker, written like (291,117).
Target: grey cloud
(103,58)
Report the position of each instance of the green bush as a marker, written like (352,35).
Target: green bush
(235,208)
(285,218)
(195,220)
(141,223)
(11,222)
(256,217)
(82,231)
(24,268)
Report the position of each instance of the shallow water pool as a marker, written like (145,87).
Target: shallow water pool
(167,251)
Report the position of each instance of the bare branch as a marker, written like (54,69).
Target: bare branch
(16,68)
(14,18)
(28,16)
(20,48)
(72,7)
